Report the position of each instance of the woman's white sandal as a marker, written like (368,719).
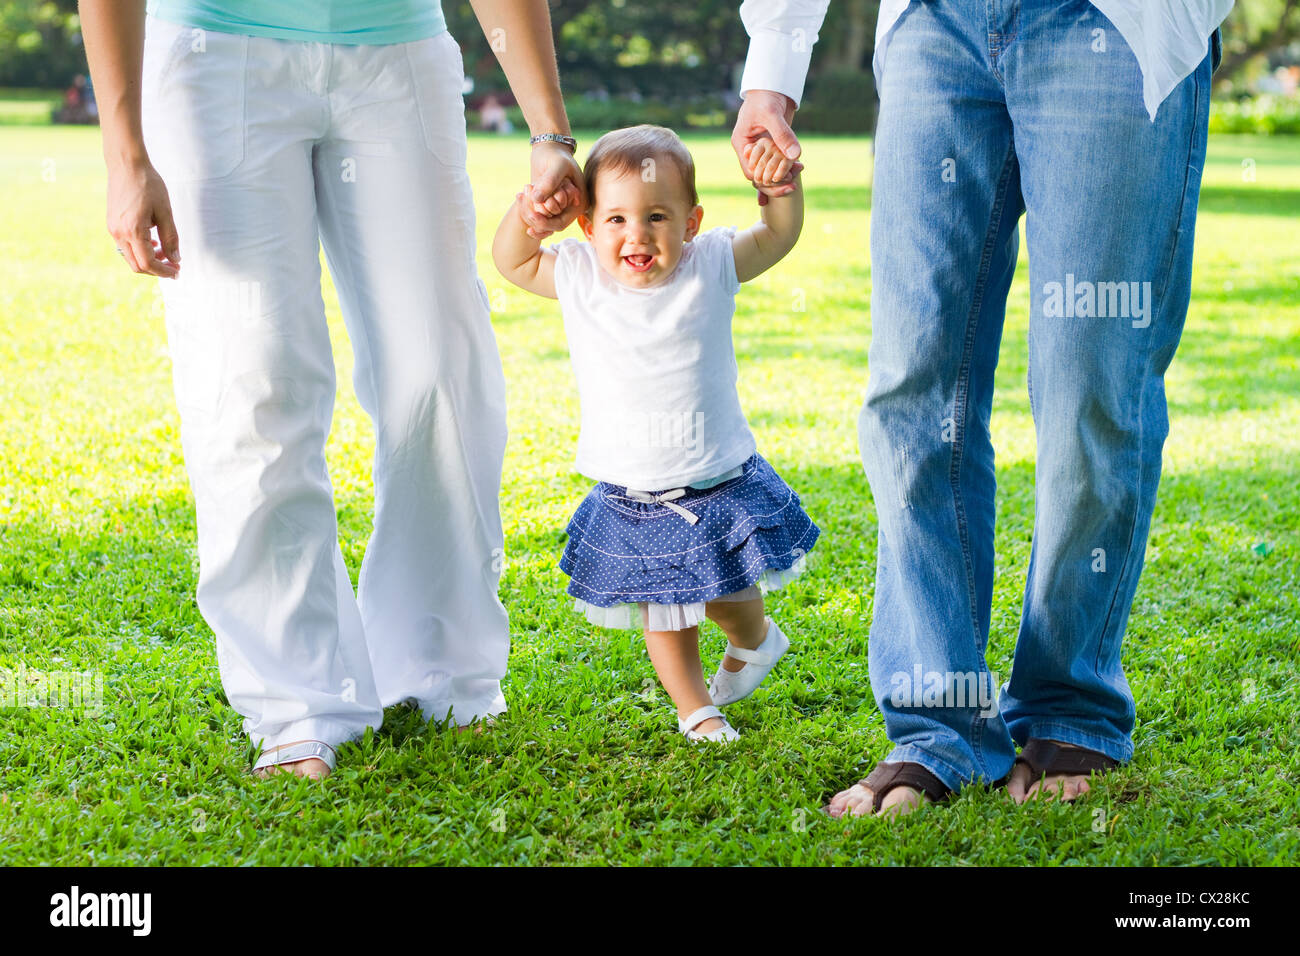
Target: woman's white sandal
(296,753)
(723,735)
(727,687)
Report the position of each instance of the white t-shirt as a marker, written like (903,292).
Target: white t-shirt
(656,369)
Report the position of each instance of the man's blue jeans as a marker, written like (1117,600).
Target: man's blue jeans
(991,108)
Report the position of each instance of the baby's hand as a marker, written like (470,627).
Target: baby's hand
(769,165)
(545,206)
(773,172)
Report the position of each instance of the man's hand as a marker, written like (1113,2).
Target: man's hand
(765,114)
(557,193)
(137,202)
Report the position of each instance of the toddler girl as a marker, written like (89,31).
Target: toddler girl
(687,519)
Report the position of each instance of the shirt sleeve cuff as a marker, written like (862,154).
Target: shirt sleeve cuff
(776,62)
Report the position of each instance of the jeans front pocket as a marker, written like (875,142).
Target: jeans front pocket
(438,77)
(193,94)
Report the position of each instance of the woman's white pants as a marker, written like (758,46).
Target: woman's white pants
(269,148)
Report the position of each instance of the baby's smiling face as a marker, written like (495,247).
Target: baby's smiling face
(639,228)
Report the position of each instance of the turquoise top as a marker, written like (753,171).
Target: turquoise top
(322,21)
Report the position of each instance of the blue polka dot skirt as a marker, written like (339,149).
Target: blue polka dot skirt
(622,550)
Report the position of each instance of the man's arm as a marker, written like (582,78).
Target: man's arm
(113,31)
(782,35)
(519,256)
(520,36)
(781,38)
(765,244)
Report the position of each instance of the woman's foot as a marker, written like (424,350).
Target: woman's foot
(477,726)
(313,768)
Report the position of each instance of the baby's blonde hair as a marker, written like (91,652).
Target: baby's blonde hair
(625,150)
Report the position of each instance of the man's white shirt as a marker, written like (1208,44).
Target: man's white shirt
(1168,37)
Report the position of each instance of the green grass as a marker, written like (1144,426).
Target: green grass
(28,107)
(97,573)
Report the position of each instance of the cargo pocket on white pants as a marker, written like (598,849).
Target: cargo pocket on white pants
(193,101)
(438,77)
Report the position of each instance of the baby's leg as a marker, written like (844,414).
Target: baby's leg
(676,657)
(742,621)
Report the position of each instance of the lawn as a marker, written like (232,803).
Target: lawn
(28,107)
(97,573)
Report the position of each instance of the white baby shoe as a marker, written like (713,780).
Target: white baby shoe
(723,735)
(727,687)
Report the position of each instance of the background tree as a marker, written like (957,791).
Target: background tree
(667,51)
(1253,31)
(40,43)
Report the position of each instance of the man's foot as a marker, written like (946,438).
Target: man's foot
(1024,784)
(858,799)
(891,789)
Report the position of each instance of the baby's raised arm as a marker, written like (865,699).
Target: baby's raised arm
(519,257)
(763,245)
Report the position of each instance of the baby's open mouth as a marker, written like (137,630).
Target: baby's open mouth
(639,263)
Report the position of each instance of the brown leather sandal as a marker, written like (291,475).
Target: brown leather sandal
(887,776)
(1044,757)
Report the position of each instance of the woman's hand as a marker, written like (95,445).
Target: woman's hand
(557,193)
(137,203)
(113,32)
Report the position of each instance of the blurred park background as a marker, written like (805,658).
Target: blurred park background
(676,64)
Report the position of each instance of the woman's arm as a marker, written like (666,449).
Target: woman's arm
(762,246)
(519,255)
(113,31)
(520,36)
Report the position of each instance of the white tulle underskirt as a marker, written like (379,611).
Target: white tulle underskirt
(678,617)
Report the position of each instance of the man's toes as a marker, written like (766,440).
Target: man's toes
(1019,784)
(1062,787)
(838,802)
(1073,787)
(848,800)
(901,801)
(1041,787)
(860,800)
